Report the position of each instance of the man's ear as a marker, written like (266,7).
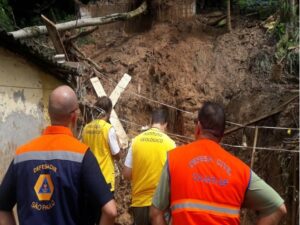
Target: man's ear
(165,125)
(74,117)
(197,130)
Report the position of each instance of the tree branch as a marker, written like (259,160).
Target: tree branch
(81,34)
(28,32)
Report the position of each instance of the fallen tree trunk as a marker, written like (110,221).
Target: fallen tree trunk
(28,32)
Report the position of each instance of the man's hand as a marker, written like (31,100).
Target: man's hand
(109,213)
(7,218)
(127,173)
(157,216)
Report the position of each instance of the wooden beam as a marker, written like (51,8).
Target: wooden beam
(114,97)
(55,37)
(97,86)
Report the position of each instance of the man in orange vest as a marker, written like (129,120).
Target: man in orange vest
(204,184)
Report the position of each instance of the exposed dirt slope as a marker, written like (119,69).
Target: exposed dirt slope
(184,64)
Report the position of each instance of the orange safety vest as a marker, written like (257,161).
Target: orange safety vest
(207,184)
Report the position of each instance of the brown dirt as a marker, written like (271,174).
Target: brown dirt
(184,64)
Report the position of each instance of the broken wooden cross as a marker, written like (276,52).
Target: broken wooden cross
(114,98)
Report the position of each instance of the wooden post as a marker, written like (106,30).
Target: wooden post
(294,201)
(252,164)
(254,147)
(228,16)
(55,37)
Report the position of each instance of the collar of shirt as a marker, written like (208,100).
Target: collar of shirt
(57,130)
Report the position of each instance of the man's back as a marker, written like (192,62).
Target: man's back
(96,135)
(49,179)
(215,182)
(149,152)
(49,171)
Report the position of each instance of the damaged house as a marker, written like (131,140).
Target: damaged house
(27,75)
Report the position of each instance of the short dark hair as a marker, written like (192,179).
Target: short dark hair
(212,118)
(104,103)
(160,116)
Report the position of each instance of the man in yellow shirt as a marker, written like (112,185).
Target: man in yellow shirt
(102,139)
(144,163)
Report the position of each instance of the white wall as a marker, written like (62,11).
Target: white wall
(24,91)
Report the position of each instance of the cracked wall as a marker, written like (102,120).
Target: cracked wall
(24,91)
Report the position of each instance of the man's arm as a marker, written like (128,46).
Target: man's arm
(127,173)
(7,218)
(114,144)
(157,216)
(8,197)
(274,218)
(109,213)
(161,199)
(263,199)
(96,189)
(127,170)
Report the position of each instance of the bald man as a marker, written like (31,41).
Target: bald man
(52,176)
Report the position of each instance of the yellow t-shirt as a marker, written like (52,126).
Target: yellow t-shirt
(95,135)
(149,154)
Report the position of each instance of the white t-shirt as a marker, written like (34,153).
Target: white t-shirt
(113,141)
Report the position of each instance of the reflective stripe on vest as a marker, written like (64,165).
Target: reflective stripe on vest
(49,155)
(203,206)
(214,184)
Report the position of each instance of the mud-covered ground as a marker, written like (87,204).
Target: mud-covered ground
(183,64)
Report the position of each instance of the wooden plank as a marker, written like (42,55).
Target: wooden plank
(114,117)
(55,37)
(97,86)
(254,148)
(114,96)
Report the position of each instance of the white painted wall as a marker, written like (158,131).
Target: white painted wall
(24,91)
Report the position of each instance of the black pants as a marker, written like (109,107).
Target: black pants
(141,215)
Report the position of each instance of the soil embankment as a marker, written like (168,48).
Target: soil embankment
(183,64)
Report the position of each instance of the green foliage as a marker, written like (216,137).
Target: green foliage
(286,49)
(279,30)
(285,9)
(264,8)
(5,16)
(286,31)
(60,15)
(85,41)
